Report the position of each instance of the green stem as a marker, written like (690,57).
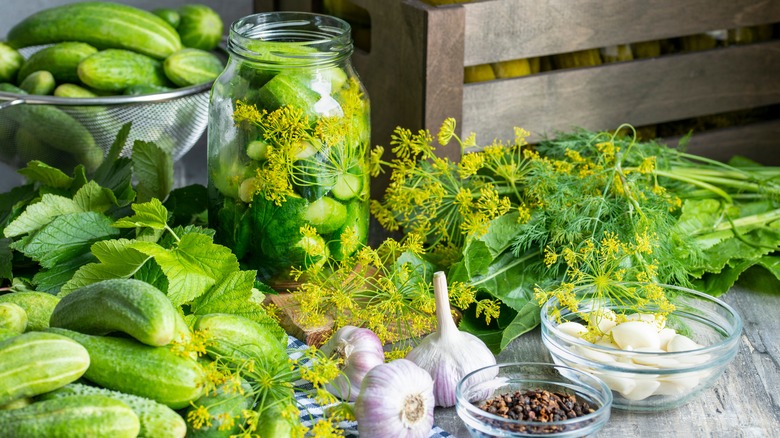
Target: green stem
(714,189)
(747,221)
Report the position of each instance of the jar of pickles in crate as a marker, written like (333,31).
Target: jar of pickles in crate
(288,140)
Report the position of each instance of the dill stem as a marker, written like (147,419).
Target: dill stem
(747,221)
(676,176)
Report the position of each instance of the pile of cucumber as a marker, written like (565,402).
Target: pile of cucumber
(95,49)
(103,361)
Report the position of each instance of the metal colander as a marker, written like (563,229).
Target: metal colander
(63,132)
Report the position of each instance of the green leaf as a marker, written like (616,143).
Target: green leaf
(151,273)
(764,276)
(79,178)
(38,171)
(151,214)
(192,267)
(40,214)
(116,173)
(116,259)
(52,280)
(6,259)
(66,237)
(13,203)
(153,168)
(187,204)
(115,150)
(92,197)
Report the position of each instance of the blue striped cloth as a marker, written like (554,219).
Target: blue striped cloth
(311,412)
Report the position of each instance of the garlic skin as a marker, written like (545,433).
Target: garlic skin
(395,401)
(449,354)
(361,350)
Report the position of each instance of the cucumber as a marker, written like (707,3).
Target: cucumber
(39,82)
(156,420)
(234,336)
(124,305)
(16,404)
(192,67)
(36,362)
(74,91)
(357,225)
(347,186)
(104,25)
(30,147)
(10,63)
(37,305)
(141,89)
(326,215)
(200,27)
(117,69)
(170,16)
(128,366)
(311,178)
(287,89)
(225,401)
(13,317)
(61,60)
(71,417)
(6,333)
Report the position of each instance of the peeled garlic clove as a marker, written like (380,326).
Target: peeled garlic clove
(665,335)
(622,385)
(654,360)
(644,388)
(636,334)
(682,383)
(657,320)
(604,319)
(574,329)
(593,355)
(681,343)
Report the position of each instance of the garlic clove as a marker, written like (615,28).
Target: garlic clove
(619,384)
(658,321)
(360,350)
(573,329)
(603,318)
(592,354)
(665,335)
(681,343)
(644,388)
(636,334)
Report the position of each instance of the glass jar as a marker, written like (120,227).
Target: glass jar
(288,145)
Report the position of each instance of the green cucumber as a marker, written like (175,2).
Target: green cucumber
(128,366)
(6,333)
(71,417)
(37,305)
(234,336)
(357,225)
(225,401)
(74,91)
(347,186)
(312,179)
(39,82)
(13,317)
(124,305)
(170,16)
(326,215)
(200,27)
(141,89)
(117,69)
(103,25)
(30,147)
(36,362)
(156,420)
(61,60)
(10,63)
(16,404)
(287,89)
(192,67)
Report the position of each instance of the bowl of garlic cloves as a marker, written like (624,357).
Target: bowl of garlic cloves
(652,358)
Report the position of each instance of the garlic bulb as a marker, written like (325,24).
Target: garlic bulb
(361,350)
(395,401)
(449,354)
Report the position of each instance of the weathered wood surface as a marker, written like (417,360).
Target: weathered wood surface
(499,30)
(641,92)
(757,141)
(744,402)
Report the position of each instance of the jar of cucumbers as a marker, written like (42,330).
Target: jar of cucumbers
(288,143)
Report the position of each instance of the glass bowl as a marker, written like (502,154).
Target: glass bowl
(651,379)
(507,378)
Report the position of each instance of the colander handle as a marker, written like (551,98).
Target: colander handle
(10,103)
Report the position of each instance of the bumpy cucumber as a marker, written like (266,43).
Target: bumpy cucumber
(357,225)
(39,82)
(199,26)
(121,304)
(36,362)
(13,317)
(326,215)
(38,306)
(74,91)
(71,417)
(10,63)
(156,419)
(192,67)
(238,337)
(126,365)
(117,69)
(60,60)
(101,24)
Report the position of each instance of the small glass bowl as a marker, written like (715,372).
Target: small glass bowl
(645,380)
(506,378)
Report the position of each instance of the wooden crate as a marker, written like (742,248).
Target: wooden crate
(414,70)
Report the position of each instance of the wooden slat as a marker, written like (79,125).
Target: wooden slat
(639,92)
(509,29)
(758,141)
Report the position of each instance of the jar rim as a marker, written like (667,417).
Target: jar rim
(286,38)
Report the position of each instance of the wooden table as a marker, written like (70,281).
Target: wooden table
(744,402)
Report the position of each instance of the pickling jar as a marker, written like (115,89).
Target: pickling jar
(288,145)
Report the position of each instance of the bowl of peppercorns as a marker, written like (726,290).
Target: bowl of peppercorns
(527,399)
